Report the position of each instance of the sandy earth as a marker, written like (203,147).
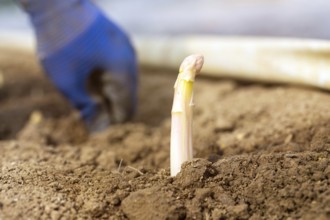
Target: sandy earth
(262,152)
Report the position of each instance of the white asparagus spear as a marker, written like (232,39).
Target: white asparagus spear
(295,61)
(182,112)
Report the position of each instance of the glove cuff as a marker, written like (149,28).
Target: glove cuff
(58,23)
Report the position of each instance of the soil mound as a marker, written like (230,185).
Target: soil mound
(262,152)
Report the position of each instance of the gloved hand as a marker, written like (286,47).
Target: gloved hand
(88,58)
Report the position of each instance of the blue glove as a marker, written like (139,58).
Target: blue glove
(88,58)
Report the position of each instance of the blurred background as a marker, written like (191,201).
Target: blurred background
(284,18)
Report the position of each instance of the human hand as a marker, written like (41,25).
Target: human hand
(88,58)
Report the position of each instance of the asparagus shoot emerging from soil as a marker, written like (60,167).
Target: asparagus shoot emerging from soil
(182,112)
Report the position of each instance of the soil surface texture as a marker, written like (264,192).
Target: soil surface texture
(262,152)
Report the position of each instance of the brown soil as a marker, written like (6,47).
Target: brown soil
(263,152)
